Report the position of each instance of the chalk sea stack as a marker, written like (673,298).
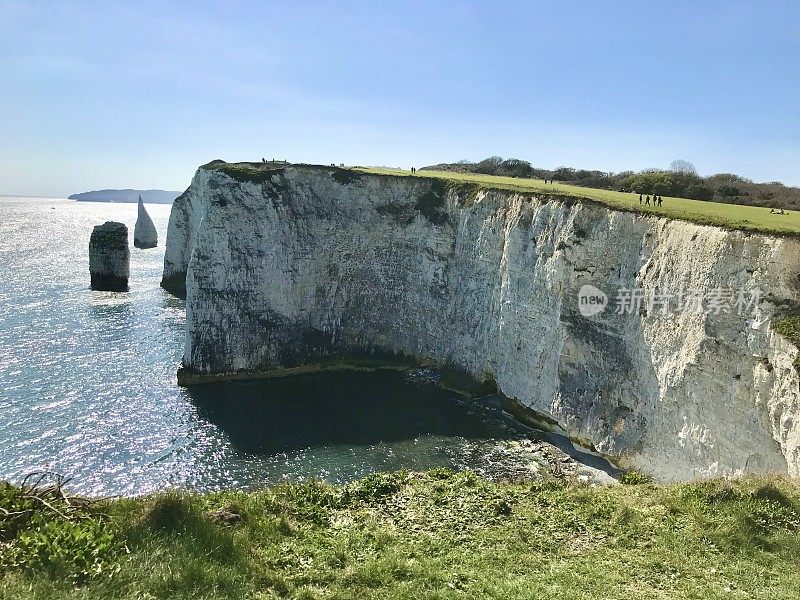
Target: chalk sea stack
(109,257)
(144,234)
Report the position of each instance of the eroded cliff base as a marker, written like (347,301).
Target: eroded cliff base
(175,285)
(448,377)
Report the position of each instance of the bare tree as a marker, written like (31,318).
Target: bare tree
(682,166)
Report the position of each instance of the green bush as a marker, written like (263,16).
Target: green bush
(77,550)
(42,529)
(377,486)
(699,192)
(16,511)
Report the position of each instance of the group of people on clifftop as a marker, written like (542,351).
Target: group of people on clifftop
(657,200)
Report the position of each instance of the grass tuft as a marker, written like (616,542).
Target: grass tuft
(172,512)
(633,477)
(789,327)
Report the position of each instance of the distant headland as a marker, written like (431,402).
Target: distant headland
(150,196)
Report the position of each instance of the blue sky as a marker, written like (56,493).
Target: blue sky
(138,94)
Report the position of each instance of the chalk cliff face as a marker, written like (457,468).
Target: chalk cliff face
(144,233)
(300,263)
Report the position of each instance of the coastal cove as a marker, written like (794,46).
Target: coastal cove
(90,392)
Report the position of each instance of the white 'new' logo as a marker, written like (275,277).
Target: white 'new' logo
(591,301)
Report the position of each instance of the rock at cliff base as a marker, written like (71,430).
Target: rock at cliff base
(144,234)
(109,257)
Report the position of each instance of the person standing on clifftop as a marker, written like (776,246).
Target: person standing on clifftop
(660,199)
(640,199)
(647,200)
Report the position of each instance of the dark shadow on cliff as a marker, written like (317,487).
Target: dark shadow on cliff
(353,408)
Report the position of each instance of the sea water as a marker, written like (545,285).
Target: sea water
(88,386)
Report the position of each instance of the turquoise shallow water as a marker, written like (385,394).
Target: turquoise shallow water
(87,384)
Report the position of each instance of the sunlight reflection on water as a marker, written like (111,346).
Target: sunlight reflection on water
(87,383)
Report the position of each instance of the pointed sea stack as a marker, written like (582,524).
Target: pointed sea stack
(109,257)
(144,234)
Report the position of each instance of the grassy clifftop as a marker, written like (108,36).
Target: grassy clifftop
(731,216)
(410,535)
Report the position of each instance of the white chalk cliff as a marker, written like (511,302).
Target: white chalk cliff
(288,266)
(144,232)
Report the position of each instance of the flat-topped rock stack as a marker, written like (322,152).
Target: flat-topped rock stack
(109,257)
(144,233)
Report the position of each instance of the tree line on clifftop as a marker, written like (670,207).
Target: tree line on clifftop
(680,180)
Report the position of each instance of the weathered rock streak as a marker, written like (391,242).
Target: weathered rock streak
(309,262)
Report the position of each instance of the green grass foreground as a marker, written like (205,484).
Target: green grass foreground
(730,216)
(410,535)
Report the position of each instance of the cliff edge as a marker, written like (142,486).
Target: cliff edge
(285,266)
